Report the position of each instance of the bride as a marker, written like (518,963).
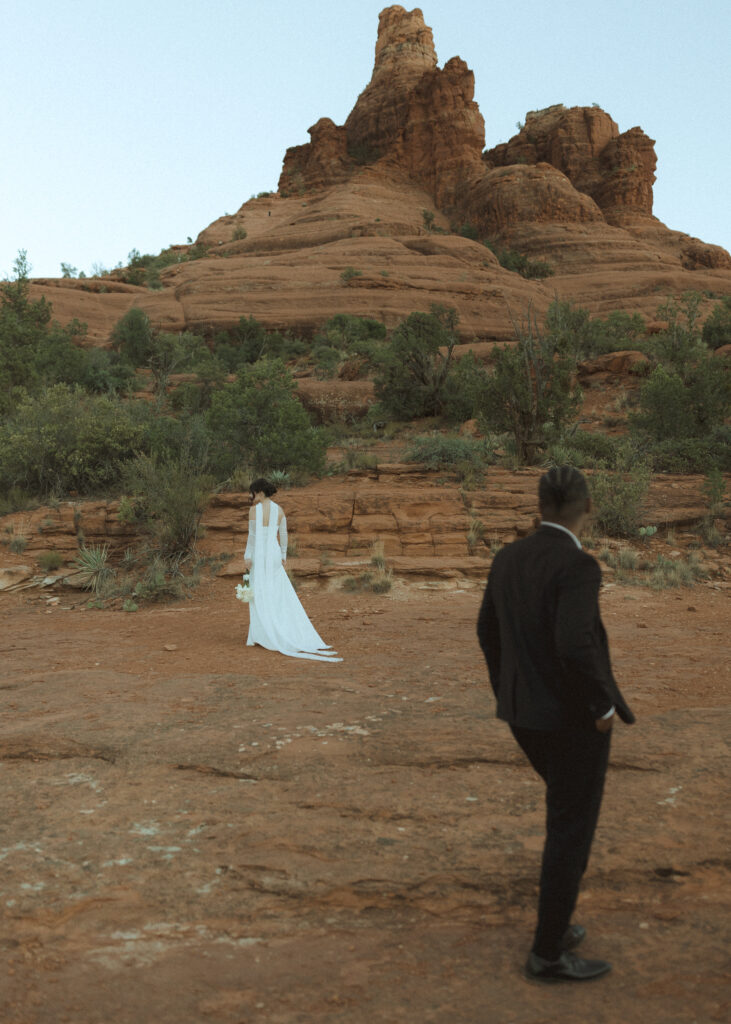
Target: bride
(277,620)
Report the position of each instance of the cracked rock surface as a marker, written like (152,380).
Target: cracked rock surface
(197,831)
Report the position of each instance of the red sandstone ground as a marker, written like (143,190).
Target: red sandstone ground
(194,831)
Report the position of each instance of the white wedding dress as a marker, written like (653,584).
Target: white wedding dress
(277,620)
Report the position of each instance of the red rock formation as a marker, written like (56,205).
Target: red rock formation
(628,166)
(414,513)
(568,189)
(584,143)
(444,133)
(322,161)
(421,118)
(404,52)
(518,193)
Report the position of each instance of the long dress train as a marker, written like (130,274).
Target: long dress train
(277,619)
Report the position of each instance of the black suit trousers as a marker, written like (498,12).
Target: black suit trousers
(573,764)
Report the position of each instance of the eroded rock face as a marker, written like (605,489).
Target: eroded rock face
(410,511)
(384,194)
(412,114)
(519,194)
(628,166)
(445,132)
(404,52)
(584,143)
(322,161)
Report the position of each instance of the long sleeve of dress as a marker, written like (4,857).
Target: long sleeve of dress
(283,537)
(250,540)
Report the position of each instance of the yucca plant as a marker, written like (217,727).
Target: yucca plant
(475,535)
(94,571)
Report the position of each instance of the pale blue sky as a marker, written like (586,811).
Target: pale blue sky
(135,125)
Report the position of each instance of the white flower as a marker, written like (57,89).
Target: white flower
(243,593)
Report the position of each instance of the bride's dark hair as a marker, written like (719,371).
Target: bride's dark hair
(263,486)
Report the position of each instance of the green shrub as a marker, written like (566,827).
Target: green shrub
(162,579)
(691,454)
(680,345)
(349,273)
(582,449)
(531,394)
(518,263)
(169,498)
(714,491)
(50,560)
(417,362)
(102,372)
(258,421)
(466,390)
(691,406)
(326,361)
(250,341)
(175,353)
(65,440)
(239,234)
(619,332)
(144,269)
(668,572)
(375,582)
(468,231)
(348,333)
(717,328)
(567,328)
(36,352)
(457,454)
(619,494)
(354,457)
(378,579)
(132,336)
(624,560)
(15,499)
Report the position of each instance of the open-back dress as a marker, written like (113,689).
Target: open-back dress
(277,619)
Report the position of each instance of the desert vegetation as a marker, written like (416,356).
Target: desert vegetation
(162,421)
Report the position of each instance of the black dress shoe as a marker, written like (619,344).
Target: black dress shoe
(568,967)
(573,937)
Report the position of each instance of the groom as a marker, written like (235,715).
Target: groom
(548,659)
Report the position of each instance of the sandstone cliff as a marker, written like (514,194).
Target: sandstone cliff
(384,193)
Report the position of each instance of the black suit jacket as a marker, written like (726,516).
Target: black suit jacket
(543,638)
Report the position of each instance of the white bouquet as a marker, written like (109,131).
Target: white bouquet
(243,591)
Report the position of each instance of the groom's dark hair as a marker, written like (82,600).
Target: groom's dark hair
(562,491)
(262,485)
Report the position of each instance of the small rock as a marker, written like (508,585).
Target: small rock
(170,647)
(691,608)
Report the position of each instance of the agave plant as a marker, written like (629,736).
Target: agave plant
(94,571)
(280,478)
